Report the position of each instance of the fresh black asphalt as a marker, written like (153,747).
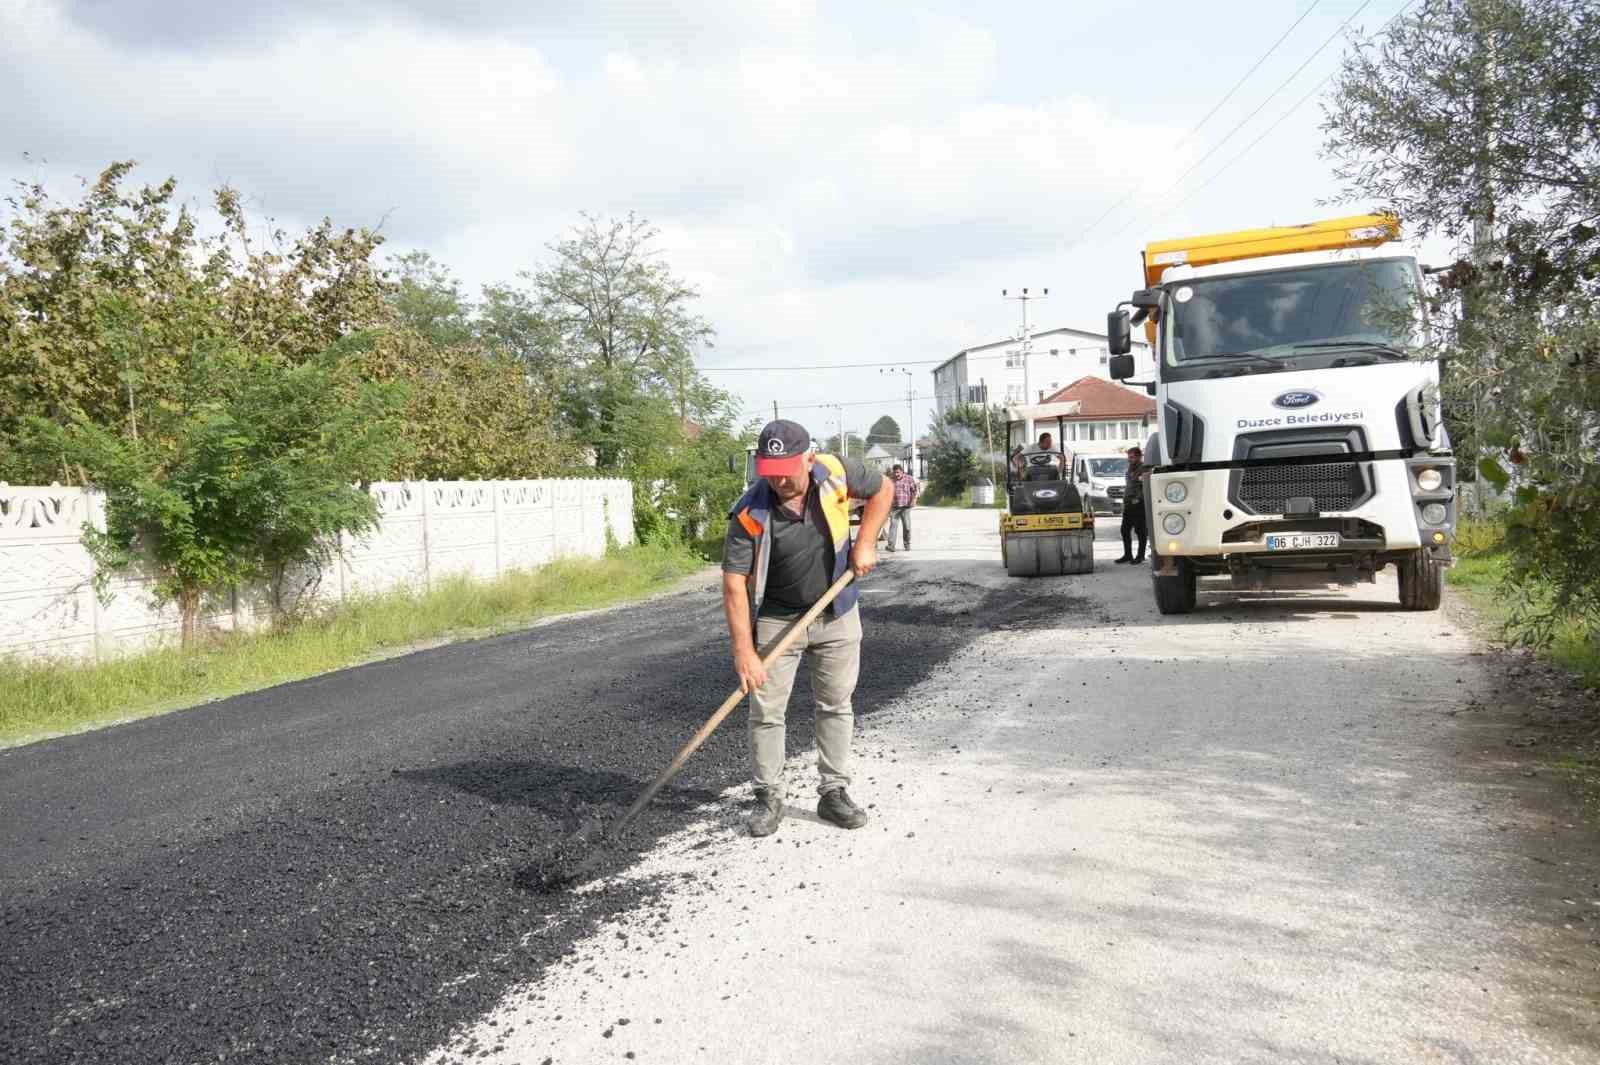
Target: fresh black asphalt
(347,867)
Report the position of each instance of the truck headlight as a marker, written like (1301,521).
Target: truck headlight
(1173,523)
(1429,479)
(1176,492)
(1434,513)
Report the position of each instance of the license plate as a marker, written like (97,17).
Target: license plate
(1301,541)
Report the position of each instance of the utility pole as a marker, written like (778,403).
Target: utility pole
(911,415)
(774,410)
(1026,339)
(988,431)
(838,418)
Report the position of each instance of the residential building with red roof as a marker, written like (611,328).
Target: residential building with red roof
(1109,418)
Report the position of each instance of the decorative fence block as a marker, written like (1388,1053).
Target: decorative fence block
(428,531)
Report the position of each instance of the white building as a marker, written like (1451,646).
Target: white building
(1060,357)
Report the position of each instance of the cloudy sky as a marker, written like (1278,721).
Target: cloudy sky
(845,183)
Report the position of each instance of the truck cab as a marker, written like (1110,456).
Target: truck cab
(1300,443)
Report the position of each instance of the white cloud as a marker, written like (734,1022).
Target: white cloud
(840,191)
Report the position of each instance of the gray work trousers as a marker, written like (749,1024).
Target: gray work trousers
(832,646)
(900,518)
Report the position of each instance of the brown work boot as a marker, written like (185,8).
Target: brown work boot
(763,820)
(836,808)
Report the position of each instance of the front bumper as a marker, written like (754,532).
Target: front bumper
(1388,521)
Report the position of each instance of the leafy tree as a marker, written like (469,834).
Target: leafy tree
(101,298)
(858,446)
(482,398)
(255,470)
(510,326)
(468,415)
(884,431)
(1475,119)
(624,327)
(682,486)
(958,451)
(429,301)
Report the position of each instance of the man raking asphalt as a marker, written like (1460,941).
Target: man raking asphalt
(788,565)
(788,540)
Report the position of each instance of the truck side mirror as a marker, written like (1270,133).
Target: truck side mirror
(1119,334)
(733,464)
(1146,299)
(1121,366)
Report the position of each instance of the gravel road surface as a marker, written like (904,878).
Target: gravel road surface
(1281,829)
(1278,830)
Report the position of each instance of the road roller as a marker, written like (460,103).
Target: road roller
(1047,529)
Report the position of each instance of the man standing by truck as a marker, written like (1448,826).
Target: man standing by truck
(788,540)
(1133,508)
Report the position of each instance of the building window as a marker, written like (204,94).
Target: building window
(1013,360)
(1013,393)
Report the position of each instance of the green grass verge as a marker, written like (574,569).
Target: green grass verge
(39,699)
(1480,575)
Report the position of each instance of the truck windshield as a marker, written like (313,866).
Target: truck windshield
(1330,311)
(1108,467)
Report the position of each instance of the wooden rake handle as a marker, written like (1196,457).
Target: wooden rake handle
(790,635)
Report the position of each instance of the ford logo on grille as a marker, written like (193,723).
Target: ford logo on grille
(1044,493)
(1295,400)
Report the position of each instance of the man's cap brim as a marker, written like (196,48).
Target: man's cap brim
(779,466)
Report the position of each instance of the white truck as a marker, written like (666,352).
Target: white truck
(1300,443)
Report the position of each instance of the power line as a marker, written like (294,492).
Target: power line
(1264,133)
(1270,97)
(902,362)
(1264,56)
(1196,127)
(820,366)
(855,403)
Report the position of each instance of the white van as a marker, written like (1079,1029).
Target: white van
(1100,478)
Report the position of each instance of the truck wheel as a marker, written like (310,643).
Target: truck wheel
(1175,594)
(1421,582)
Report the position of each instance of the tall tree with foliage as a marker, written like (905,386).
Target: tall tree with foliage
(482,399)
(256,468)
(1477,120)
(884,431)
(101,299)
(624,325)
(959,452)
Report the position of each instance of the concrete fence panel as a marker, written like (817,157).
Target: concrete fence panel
(428,531)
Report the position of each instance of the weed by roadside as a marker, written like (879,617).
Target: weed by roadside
(1480,574)
(39,699)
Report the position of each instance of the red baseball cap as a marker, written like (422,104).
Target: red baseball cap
(781,448)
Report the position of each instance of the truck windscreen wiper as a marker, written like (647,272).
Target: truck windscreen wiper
(1239,362)
(1373,347)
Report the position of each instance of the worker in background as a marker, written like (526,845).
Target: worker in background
(906,491)
(788,541)
(1133,507)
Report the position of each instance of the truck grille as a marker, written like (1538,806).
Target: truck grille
(1115,491)
(1333,486)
